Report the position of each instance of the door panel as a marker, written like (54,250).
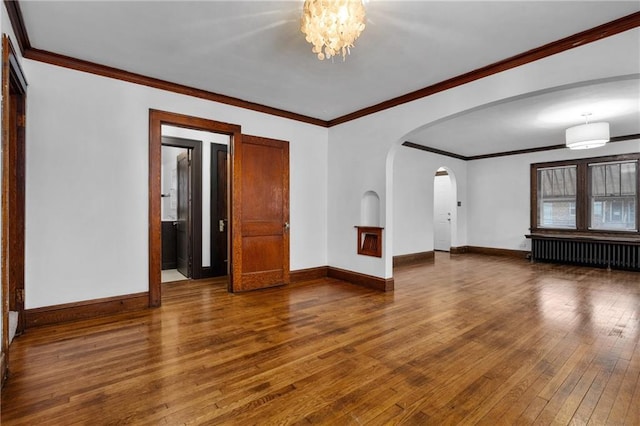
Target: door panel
(183,227)
(443,232)
(261,217)
(262,253)
(219,209)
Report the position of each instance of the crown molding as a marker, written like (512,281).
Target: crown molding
(17,22)
(118,74)
(505,153)
(594,34)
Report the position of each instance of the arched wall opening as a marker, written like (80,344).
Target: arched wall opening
(366,153)
(410,210)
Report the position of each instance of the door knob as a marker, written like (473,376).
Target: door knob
(286,225)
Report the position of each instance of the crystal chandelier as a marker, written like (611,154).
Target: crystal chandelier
(332,26)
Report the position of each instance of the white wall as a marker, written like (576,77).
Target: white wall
(362,152)
(87,182)
(503,204)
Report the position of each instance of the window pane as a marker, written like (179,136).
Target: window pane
(597,180)
(628,179)
(558,214)
(613,196)
(612,176)
(570,181)
(558,182)
(546,180)
(556,197)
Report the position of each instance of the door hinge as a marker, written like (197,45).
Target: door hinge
(20,295)
(21,120)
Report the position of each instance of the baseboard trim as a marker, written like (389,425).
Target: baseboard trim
(86,309)
(491,251)
(369,281)
(308,274)
(414,258)
(458,250)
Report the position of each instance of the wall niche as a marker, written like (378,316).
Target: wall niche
(369,230)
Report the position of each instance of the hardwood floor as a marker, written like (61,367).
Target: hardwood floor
(469,339)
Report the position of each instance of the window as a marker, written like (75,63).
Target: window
(613,196)
(594,195)
(557,197)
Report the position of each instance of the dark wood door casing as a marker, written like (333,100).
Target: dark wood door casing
(14,89)
(184,225)
(261,218)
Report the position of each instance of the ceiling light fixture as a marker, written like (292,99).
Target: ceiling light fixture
(588,135)
(332,26)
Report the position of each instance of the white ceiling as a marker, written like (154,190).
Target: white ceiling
(254,50)
(536,120)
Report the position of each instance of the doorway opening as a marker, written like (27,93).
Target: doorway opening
(444,209)
(164,125)
(179,177)
(194,204)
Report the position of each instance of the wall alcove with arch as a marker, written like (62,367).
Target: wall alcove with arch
(369,231)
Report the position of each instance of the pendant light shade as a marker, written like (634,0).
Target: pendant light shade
(585,136)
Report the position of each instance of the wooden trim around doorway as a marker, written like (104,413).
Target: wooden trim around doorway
(14,90)
(156,120)
(3,369)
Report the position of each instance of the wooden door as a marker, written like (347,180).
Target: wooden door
(183,227)
(260,230)
(219,210)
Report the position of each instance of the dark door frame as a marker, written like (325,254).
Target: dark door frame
(14,92)
(156,120)
(196,199)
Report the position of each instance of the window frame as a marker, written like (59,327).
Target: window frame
(583,197)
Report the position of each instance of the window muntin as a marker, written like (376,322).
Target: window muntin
(557,197)
(613,196)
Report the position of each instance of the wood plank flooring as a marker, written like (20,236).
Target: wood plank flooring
(471,339)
